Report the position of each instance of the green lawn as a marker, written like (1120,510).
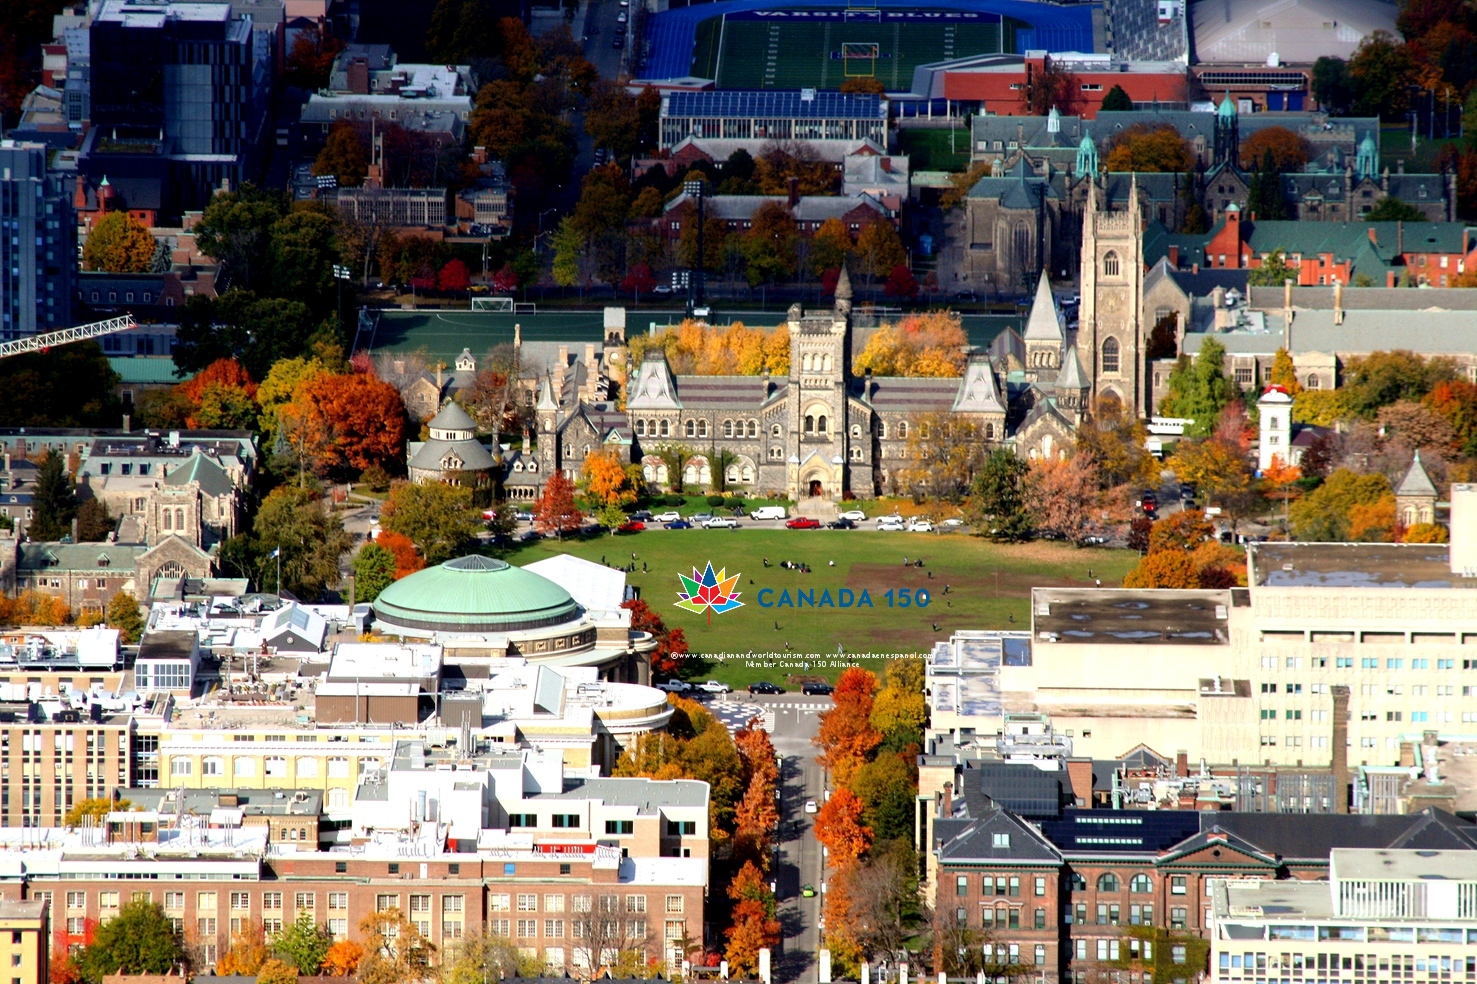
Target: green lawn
(931,150)
(989,587)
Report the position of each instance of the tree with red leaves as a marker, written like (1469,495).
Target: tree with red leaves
(505,281)
(555,511)
(407,559)
(454,277)
(670,643)
(754,924)
(364,416)
(639,280)
(839,827)
(901,282)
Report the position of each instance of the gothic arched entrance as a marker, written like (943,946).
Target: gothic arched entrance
(816,489)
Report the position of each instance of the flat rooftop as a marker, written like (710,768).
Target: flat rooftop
(1148,617)
(1288,900)
(1353,565)
(1355,865)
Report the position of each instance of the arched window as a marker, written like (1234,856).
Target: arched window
(648,472)
(1107,882)
(753,428)
(179,519)
(989,431)
(1079,884)
(689,475)
(728,428)
(731,474)
(691,428)
(212,766)
(748,474)
(1110,264)
(902,430)
(338,799)
(169,519)
(882,429)
(1140,885)
(856,430)
(1110,355)
(809,424)
(820,425)
(827,366)
(776,431)
(705,474)
(805,362)
(702,428)
(661,474)
(640,428)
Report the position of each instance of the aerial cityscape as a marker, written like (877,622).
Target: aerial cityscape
(940,492)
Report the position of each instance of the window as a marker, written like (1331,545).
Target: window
(304,901)
(1110,355)
(961,885)
(527,903)
(674,903)
(1110,264)
(1177,953)
(553,903)
(554,928)
(179,766)
(338,900)
(1000,840)
(1040,887)
(635,903)
(384,903)
(212,766)
(275,766)
(1140,885)
(1178,917)
(1107,882)
(1177,884)
(620,826)
(528,820)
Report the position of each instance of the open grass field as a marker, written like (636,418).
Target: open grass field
(935,150)
(989,586)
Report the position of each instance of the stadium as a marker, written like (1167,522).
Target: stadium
(750,44)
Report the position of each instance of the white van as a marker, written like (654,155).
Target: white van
(768,512)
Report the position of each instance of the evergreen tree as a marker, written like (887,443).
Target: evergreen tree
(1195,221)
(997,508)
(139,940)
(1117,101)
(1198,389)
(53,502)
(1264,198)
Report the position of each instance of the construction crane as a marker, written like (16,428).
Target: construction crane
(96,329)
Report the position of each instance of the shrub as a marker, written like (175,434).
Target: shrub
(676,500)
(715,500)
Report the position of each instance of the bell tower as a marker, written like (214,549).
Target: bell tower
(1110,332)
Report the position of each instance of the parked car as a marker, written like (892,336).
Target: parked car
(952,521)
(891,524)
(632,526)
(803,523)
(674,686)
(532,536)
(807,891)
(661,289)
(523,516)
(765,687)
(768,512)
(841,524)
(714,687)
(855,515)
(617,42)
(642,514)
(1094,541)
(622,17)
(720,523)
(678,524)
(670,516)
(817,689)
(920,526)
(810,807)
(1187,491)
(701,517)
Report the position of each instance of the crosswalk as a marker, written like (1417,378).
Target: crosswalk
(735,714)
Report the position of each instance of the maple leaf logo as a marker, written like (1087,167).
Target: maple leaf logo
(709,592)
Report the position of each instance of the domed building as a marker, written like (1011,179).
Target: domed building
(452,450)
(480,605)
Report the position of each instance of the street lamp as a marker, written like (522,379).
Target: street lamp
(340,274)
(695,275)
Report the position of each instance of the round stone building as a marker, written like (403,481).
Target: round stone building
(478,604)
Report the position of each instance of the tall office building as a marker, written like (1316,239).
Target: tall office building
(38,243)
(178,100)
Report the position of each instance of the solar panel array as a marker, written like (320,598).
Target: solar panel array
(750,105)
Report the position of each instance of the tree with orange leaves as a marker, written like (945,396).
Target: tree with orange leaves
(839,827)
(364,416)
(222,372)
(222,395)
(846,737)
(1279,483)
(756,817)
(342,959)
(605,479)
(407,559)
(754,923)
(555,511)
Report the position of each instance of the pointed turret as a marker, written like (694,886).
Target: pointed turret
(1072,378)
(1415,496)
(546,399)
(1416,481)
(1043,325)
(843,292)
(1087,163)
(978,392)
(654,389)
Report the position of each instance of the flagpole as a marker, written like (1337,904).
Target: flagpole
(278,554)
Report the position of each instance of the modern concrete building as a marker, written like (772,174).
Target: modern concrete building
(25,940)
(38,250)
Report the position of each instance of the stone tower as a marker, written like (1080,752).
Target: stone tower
(1110,333)
(817,398)
(546,413)
(1227,133)
(1043,335)
(1274,417)
(1415,496)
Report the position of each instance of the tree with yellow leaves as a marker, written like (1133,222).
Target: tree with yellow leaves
(119,243)
(247,952)
(693,348)
(1284,373)
(606,480)
(931,344)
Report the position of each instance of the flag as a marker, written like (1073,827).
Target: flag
(275,553)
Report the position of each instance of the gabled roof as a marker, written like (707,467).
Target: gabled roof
(1043,325)
(654,388)
(206,471)
(1416,482)
(978,392)
(546,396)
(997,837)
(1072,376)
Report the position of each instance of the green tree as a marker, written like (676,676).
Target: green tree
(1272,272)
(302,255)
(309,535)
(1264,199)
(887,788)
(463,30)
(305,943)
(1323,514)
(69,386)
(93,522)
(139,940)
(119,243)
(1392,209)
(569,248)
(225,408)
(480,957)
(1198,389)
(769,246)
(123,615)
(437,518)
(997,506)
(1117,101)
(1382,378)
(374,570)
(236,229)
(1195,220)
(54,500)
(878,250)
(1380,72)
(1331,86)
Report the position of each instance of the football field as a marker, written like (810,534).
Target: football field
(822,48)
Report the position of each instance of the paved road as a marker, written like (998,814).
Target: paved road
(793,720)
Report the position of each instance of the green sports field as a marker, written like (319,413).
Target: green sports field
(989,587)
(751,52)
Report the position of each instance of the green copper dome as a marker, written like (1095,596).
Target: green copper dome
(473,594)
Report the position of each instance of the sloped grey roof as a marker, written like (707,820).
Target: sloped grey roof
(1416,482)
(452,417)
(1072,376)
(655,389)
(78,556)
(427,455)
(979,393)
(203,469)
(1043,324)
(737,392)
(898,393)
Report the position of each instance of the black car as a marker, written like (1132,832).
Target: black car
(618,42)
(817,689)
(765,688)
(1187,491)
(530,537)
(642,515)
(841,524)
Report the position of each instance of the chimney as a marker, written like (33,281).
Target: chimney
(358,73)
(1194,267)
(1340,740)
(793,187)
(1287,295)
(1182,763)
(440,370)
(946,801)
(1400,237)
(1338,302)
(517,339)
(1222,314)
(1390,279)
(1174,256)
(1374,240)
(559,371)
(1463,522)
(127,425)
